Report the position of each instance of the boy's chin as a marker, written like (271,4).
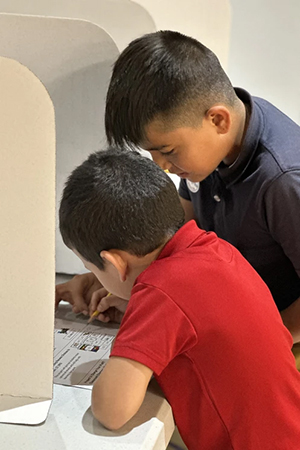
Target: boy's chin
(194,178)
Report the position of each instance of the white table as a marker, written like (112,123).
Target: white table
(71,426)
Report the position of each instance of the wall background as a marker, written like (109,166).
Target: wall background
(264,51)
(206,20)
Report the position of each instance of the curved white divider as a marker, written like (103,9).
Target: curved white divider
(27,198)
(73,59)
(123,20)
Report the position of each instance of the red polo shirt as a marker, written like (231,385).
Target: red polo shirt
(203,320)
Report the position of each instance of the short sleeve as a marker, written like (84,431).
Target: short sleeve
(154,330)
(183,190)
(282,206)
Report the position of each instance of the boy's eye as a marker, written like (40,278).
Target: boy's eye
(167,153)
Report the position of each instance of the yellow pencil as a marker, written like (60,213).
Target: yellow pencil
(96,313)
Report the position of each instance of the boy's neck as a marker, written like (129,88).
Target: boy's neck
(138,264)
(240,123)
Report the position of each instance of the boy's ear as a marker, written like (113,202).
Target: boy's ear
(220,118)
(118,260)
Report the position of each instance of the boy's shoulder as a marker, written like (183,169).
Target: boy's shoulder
(191,257)
(280,135)
(271,144)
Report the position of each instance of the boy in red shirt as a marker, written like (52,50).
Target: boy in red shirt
(197,315)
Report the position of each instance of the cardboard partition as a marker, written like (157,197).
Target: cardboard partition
(73,59)
(123,20)
(27,266)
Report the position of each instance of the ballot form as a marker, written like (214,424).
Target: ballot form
(81,350)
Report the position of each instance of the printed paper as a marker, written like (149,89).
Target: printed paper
(81,350)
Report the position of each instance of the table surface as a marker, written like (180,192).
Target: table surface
(70,425)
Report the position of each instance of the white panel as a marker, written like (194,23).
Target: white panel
(124,20)
(27,197)
(73,58)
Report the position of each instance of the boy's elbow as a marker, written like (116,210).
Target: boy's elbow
(110,410)
(113,420)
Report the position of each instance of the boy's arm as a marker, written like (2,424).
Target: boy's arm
(188,209)
(119,391)
(291,319)
(281,200)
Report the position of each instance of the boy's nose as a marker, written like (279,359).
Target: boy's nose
(161,161)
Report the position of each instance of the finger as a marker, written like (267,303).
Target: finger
(96,298)
(79,304)
(62,294)
(113,314)
(103,318)
(110,301)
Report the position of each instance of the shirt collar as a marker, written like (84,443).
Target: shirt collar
(183,239)
(231,174)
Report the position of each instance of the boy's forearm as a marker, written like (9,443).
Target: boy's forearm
(119,392)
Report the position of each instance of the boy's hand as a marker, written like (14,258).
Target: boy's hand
(111,307)
(78,292)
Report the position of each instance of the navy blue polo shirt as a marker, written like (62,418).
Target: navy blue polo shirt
(255,203)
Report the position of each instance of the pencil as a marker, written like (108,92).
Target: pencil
(96,313)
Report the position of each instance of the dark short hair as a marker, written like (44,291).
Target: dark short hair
(162,75)
(118,200)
